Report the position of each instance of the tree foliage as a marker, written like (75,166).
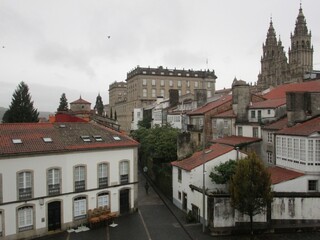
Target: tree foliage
(223,172)
(21,108)
(63,106)
(250,187)
(159,142)
(99,105)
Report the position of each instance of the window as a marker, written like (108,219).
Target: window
(47,139)
(290,148)
(25,218)
(317,152)
(103,199)
(144,92)
(310,152)
(240,132)
(79,208)
(179,195)
(270,137)
(144,82)
(179,91)
(225,124)
(1,194)
(103,175)
(302,149)
(179,175)
(269,155)
(312,185)
(153,82)
(153,93)
(255,132)
(209,84)
(25,185)
(79,179)
(171,83)
(188,83)
(209,93)
(253,114)
(196,84)
(17,141)
(269,111)
(162,82)
(53,181)
(162,92)
(214,123)
(179,83)
(124,172)
(295,148)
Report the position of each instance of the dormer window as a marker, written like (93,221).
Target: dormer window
(16,140)
(98,138)
(117,138)
(47,139)
(86,138)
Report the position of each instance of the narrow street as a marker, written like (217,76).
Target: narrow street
(158,219)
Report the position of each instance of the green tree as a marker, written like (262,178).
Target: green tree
(63,106)
(223,172)
(99,105)
(250,187)
(21,108)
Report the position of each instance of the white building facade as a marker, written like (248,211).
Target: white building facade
(50,177)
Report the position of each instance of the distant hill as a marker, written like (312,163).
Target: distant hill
(41,114)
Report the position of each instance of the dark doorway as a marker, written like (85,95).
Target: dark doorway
(184,201)
(54,216)
(124,201)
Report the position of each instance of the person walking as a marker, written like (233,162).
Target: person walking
(146,186)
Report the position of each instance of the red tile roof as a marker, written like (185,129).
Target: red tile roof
(278,125)
(303,129)
(80,101)
(236,140)
(65,137)
(198,158)
(226,114)
(211,105)
(279,174)
(270,103)
(280,92)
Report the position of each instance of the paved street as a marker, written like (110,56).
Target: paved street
(158,219)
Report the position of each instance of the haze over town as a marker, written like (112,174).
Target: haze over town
(80,47)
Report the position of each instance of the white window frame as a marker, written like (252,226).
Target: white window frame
(144,92)
(153,92)
(25,218)
(79,207)
(144,82)
(103,199)
(153,82)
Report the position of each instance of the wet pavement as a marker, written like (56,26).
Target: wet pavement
(158,219)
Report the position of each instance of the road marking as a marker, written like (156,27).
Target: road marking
(144,225)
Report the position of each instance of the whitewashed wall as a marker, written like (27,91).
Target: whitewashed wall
(39,166)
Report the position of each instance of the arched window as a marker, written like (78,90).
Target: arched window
(53,181)
(103,175)
(25,218)
(103,199)
(124,172)
(79,207)
(79,178)
(25,185)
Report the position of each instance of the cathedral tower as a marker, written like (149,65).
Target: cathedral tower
(274,66)
(301,51)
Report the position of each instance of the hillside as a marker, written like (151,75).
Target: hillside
(41,114)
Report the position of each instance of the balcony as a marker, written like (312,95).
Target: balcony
(194,128)
(124,179)
(53,189)
(103,182)
(25,193)
(79,186)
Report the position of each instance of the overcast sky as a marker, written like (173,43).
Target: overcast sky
(62,46)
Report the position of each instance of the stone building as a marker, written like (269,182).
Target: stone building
(144,85)
(275,68)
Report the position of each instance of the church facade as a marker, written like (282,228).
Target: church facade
(276,68)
